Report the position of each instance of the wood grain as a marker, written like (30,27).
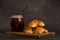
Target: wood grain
(29,35)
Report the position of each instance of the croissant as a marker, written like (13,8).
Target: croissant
(28,30)
(36,27)
(40,30)
(35,23)
(41,23)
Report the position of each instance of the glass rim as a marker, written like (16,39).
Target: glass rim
(16,16)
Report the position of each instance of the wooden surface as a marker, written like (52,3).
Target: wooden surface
(22,34)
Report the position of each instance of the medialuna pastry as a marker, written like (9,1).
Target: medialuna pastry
(28,30)
(40,30)
(35,23)
(36,27)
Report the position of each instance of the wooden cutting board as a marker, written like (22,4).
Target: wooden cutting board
(29,35)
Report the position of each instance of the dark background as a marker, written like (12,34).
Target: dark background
(46,10)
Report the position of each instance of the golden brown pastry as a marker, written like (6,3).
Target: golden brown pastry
(40,30)
(41,23)
(28,30)
(33,23)
(35,26)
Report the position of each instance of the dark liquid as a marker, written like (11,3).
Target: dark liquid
(17,25)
